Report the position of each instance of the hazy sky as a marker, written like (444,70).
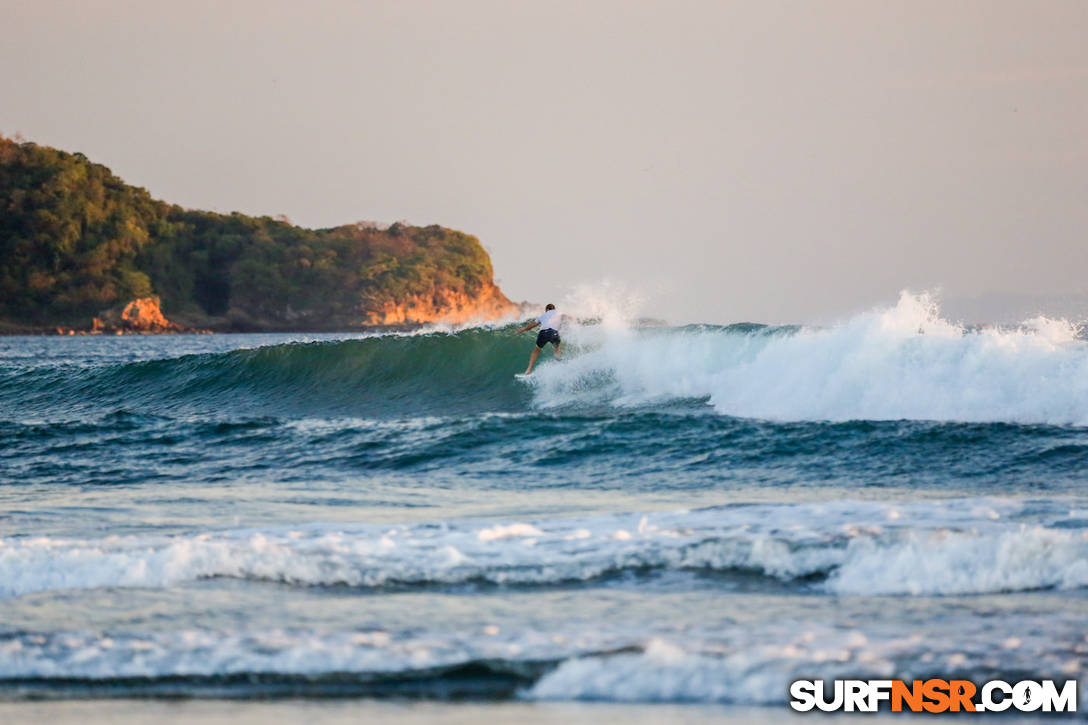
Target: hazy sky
(770,161)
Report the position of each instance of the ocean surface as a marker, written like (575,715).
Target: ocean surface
(696,514)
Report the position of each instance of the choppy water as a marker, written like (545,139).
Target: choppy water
(669,514)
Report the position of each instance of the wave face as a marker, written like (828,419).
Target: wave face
(391,375)
(905,363)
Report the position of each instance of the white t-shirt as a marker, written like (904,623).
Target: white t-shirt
(549,320)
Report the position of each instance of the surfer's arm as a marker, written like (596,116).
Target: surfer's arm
(529,326)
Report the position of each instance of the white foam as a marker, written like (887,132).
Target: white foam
(756,665)
(741,663)
(939,562)
(958,546)
(663,672)
(904,362)
(203,652)
(500,531)
(701,655)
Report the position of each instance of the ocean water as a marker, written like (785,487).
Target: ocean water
(696,514)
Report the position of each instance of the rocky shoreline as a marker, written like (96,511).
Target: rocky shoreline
(144,316)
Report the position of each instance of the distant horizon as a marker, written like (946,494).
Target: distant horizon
(725,161)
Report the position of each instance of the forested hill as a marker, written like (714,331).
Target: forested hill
(76,240)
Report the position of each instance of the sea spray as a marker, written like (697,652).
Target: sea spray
(905,362)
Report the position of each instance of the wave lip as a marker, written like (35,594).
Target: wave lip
(962,546)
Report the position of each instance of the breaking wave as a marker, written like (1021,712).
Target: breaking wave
(964,546)
(900,363)
(749,665)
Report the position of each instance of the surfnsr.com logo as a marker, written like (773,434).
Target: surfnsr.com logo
(933,695)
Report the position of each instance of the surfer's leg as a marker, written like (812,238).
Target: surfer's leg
(532,360)
(558,351)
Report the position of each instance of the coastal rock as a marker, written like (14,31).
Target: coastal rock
(142,315)
(445,306)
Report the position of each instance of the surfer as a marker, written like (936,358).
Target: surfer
(549,332)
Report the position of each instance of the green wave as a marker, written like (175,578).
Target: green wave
(434,373)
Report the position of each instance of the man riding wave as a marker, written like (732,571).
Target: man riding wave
(549,332)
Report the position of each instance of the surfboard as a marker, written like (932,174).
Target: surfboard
(522,376)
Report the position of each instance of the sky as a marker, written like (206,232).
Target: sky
(719,161)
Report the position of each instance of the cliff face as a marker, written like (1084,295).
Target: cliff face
(445,306)
(75,240)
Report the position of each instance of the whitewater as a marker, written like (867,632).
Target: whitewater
(692,514)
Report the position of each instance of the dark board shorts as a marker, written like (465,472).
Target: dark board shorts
(545,336)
